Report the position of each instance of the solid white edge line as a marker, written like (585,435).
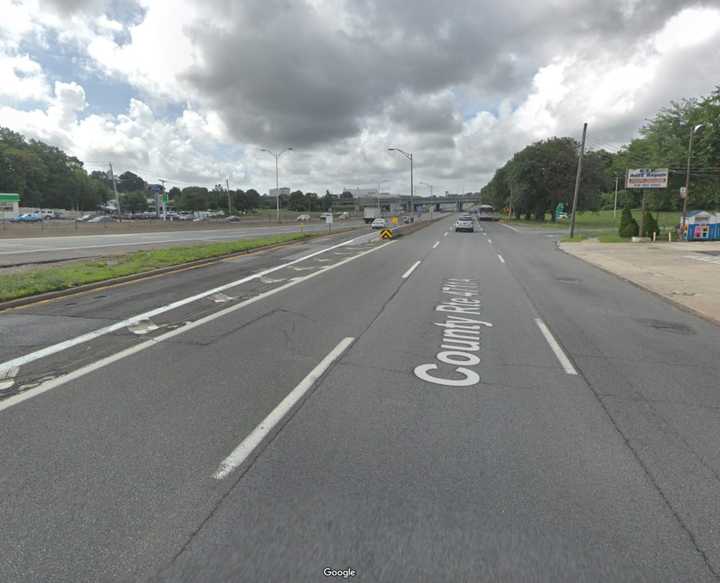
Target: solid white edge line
(436,244)
(501,258)
(64,345)
(555,346)
(59,381)
(258,435)
(510,227)
(408,273)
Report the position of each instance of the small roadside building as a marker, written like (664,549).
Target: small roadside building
(9,205)
(703,226)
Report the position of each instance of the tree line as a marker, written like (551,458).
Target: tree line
(541,175)
(46,177)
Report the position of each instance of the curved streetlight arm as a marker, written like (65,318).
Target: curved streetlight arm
(409,156)
(403,152)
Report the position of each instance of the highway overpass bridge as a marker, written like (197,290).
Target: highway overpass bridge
(438,203)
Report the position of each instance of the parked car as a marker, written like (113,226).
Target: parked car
(183,216)
(85,218)
(303,218)
(232,219)
(101,219)
(378,223)
(28,218)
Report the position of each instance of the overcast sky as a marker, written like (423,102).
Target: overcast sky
(190,90)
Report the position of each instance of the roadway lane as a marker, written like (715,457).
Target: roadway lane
(654,367)
(522,475)
(47,249)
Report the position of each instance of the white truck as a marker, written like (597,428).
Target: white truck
(370,213)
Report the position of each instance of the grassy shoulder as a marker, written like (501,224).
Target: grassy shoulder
(601,220)
(33,282)
(576,239)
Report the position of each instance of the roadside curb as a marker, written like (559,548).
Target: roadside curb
(666,299)
(19,302)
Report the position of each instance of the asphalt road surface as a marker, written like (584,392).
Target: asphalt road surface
(443,407)
(47,249)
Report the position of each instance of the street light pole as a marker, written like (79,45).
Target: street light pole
(115,190)
(687,176)
(227,189)
(378,191)
(277,178)
(409,156)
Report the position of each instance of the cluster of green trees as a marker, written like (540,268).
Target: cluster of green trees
(196,198)
(542,175)
(45,176)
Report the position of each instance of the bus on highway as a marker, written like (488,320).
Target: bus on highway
(486,212)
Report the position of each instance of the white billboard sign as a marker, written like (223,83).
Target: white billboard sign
(647,178)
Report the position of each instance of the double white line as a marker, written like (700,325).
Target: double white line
(60,346)
(54,383)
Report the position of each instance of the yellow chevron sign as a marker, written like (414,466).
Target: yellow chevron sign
(386,234)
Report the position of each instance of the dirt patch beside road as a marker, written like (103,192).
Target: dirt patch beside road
(686,273)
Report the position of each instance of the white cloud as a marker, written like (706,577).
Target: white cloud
(183,150)
(22,79)
(613,68)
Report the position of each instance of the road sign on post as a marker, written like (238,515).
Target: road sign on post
(683,192)
(386,234)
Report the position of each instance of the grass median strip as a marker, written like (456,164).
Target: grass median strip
(37,281)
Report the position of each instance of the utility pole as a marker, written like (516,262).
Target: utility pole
(577,181)
(227,186)
(687,176)
(162,194)
(616,194)
(114,183)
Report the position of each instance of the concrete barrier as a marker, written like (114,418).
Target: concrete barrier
(401,230)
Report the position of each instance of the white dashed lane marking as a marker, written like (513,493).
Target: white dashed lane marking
(408,273)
